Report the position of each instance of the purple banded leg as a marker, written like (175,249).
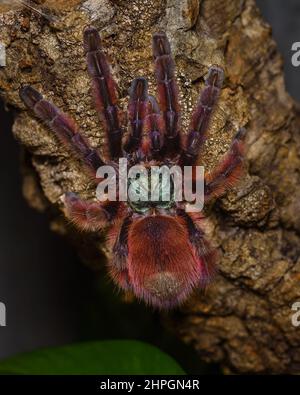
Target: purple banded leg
(154,126)
(89,216)
(205,254)
(63,127)
(167,92)
(104,90)
(120,247)
(118,265)
(202,114)
(228,171)
(137,110)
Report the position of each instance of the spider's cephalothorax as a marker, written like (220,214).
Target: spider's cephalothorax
(159,251)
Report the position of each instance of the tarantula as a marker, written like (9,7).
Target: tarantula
(159,252)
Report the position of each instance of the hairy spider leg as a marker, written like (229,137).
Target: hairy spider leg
(118,265)
(206,256)
(154,128)
(227,173)
(167,92)
(89,215)
(104,89)
(64,128)
(137,111)
(201,115)
(86,215)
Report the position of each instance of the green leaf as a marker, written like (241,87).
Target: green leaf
(103,357)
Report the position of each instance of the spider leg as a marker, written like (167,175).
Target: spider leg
(205,254)
(154,126)
(88,215)
(137,110)
(228,171)
(167,91)
(63,127)
(119,243)
(104,90)
(202,114)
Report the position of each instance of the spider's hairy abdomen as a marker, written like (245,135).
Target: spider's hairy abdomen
(161,264)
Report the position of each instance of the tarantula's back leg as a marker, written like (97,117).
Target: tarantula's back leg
(137,110)
(118,265)
(167,92)
(202,114)
(64,128)
(104,90)
(204,253)
(88,215)
(228,171)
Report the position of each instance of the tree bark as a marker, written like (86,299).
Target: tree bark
(243,320)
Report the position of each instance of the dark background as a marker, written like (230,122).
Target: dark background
(51,298)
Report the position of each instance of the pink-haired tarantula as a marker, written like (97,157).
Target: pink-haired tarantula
(159,251)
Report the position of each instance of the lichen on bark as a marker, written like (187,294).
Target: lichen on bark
(243,320)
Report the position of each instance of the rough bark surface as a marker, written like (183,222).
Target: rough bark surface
(243,320)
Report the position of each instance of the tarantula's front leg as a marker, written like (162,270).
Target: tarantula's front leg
(63,127)
(167,91)
(201,115)
(89,216)
(104,90)
(137,110)
(228,171)
(154,126)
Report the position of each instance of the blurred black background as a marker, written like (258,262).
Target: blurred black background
(51,298)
